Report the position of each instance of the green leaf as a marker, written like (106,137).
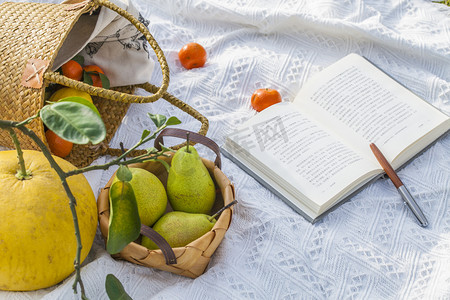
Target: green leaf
(87,79)
(164,163)
(124,174)
(152,150)
(124,222)
(115,289)
(74,122)
(173,121)
(159,120)
(165,149)
(82,101)
(145,134)
(79,59)
(105,80)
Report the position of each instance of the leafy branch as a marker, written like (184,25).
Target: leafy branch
(78,121)
(160,122)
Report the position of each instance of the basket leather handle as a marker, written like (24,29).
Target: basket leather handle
(167,251)
(57,78)
(193,136)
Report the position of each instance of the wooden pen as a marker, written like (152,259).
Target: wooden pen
(407,197)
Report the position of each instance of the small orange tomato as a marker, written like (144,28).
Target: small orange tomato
(192,55)
(72,69)
(263,98)
(57,145)
(93,71)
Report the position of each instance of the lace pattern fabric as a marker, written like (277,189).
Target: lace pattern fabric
(369,247)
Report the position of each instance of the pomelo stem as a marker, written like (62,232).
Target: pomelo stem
(222,209)
(22,173)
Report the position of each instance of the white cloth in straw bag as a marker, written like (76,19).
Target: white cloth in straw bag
(111,42)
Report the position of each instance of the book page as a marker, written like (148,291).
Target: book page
(315,162)
(358,101)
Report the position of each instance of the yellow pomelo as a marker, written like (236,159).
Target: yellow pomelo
(69,92)
(150,195)
(37,237)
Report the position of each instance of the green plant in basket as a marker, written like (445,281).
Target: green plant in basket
(37,242)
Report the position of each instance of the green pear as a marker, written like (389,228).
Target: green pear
(190,188)
(151,196)
(180,228)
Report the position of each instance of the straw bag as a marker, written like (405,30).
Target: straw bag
(31,34)
(191,260)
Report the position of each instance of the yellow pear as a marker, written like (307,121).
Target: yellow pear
(180,228)
(190,188)
(150,195)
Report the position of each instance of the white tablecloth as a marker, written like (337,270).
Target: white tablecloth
(368,248)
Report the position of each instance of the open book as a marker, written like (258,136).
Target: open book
(314,152)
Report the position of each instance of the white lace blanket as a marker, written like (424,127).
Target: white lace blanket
(370,247)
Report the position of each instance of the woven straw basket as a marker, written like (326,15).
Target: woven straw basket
(30,36)
(191,260)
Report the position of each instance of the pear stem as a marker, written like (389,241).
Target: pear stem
(222,209)
(122,148)
(187,142)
